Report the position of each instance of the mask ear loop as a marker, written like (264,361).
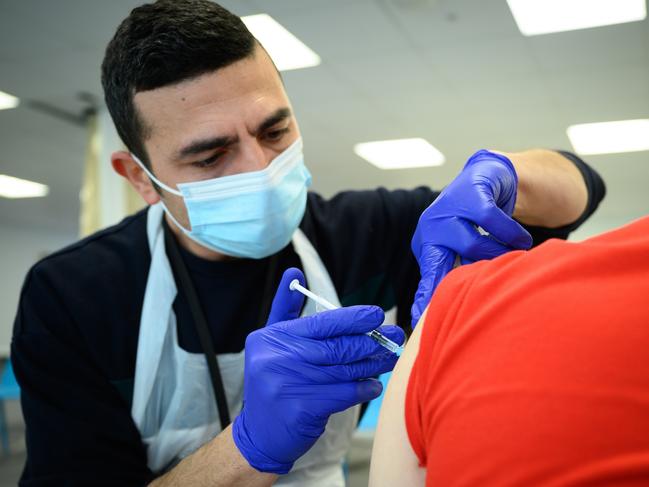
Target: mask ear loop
(167,188)
(175,222)
(153,178)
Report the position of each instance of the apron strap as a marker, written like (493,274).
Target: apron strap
(187,287)
(200,322)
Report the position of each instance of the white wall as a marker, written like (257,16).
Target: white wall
(598,224)
(20,248)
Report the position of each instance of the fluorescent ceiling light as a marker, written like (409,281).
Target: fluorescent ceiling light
(610,137)
(536,17)
(286,50)
(11,187)
(400,153)
(8,101)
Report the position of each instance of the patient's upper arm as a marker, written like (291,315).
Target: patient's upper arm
(393,460)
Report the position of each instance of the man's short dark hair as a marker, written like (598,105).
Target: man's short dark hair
(164,43)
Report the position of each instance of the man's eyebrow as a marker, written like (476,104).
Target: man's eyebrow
(212,143)
(280,115)
(203,145)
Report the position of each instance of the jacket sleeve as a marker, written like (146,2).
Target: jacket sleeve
(78,428)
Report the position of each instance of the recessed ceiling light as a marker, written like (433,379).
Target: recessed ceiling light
(535,17)
(286,50)
(11,187)
(8,101)
(610,137)
(400,153)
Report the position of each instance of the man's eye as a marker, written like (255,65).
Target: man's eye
(210,161)
(275,135)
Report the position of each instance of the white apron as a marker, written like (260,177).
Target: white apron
(173,399)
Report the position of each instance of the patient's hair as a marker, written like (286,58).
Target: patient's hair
(161,44)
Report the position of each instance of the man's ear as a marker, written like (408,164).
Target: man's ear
(125,166)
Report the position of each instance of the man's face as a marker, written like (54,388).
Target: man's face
(234,120)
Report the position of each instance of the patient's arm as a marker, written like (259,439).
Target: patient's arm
(393,460)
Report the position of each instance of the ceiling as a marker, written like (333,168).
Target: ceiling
(456,72)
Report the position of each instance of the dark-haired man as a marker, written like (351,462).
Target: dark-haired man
(116,336)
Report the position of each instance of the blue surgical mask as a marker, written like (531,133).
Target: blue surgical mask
(252,214)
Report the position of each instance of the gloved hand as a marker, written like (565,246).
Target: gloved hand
(299,371)
(483,194)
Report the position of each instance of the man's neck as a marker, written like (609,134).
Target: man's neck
(193,247)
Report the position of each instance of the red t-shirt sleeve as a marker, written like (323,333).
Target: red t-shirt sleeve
(447,299)
(533,368)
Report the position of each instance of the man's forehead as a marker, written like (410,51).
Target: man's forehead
(251,74)
(245,92)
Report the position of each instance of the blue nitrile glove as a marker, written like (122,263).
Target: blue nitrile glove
(483,194)
(299,371)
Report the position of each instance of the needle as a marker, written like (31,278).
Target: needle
(377,336)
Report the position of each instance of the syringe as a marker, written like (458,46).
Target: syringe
(377,336)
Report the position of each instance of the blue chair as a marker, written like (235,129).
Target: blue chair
(9,389)
(371,416)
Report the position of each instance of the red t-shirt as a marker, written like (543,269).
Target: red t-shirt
(533,368)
